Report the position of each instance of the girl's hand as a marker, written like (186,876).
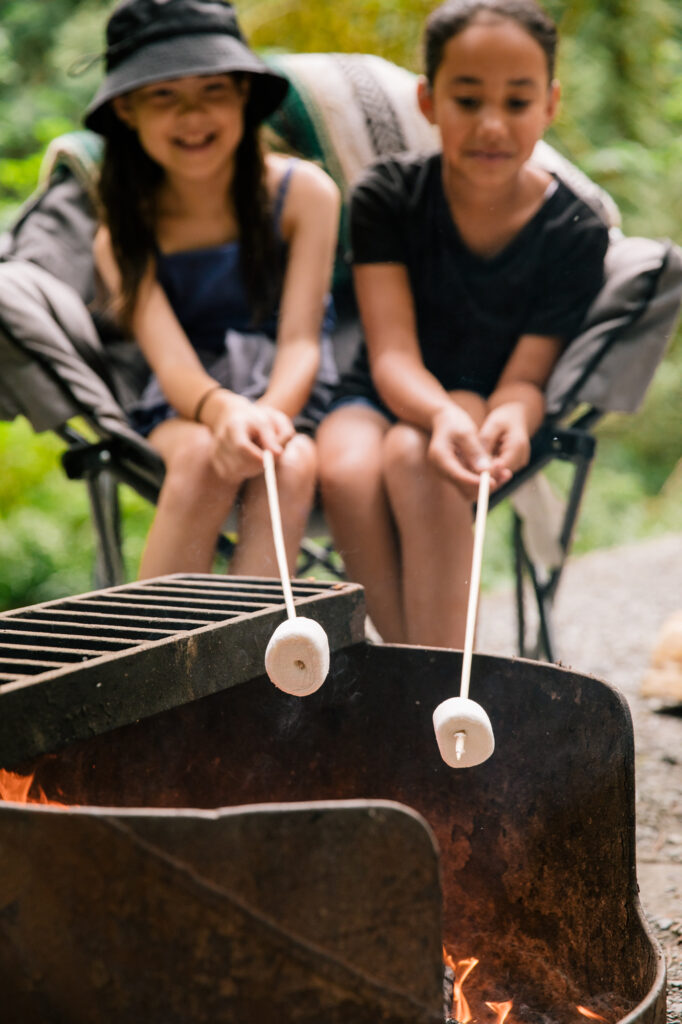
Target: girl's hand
(242,431)
(281,424)
(456,450)
(505,436)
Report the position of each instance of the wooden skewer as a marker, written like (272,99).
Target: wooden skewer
(475,581)
(278,536)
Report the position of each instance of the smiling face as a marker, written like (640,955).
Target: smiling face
(491,100)
(190,126)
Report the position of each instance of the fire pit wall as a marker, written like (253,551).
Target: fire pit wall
(537,854)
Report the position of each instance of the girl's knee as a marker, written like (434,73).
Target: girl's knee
(347,454)
(405,449)
(297,465)
(190,472)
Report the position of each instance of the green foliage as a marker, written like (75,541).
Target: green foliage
(46,540)
(621,121)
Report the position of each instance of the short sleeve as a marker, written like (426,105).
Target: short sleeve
(377,216)
(571,274)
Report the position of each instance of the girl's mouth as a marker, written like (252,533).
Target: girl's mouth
(489,155)
(195,144)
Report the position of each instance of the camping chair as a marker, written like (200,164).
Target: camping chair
(61,367)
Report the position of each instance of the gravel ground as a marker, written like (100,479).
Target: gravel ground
(608,611)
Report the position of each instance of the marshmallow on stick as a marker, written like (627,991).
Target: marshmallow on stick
(297,656)
(463,730)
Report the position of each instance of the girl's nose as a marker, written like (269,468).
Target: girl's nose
(191,105)
(492,122)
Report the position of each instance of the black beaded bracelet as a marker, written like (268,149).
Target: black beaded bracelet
(202,400)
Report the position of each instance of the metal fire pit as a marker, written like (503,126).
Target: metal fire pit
(251,856)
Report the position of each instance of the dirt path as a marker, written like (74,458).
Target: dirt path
(609,609)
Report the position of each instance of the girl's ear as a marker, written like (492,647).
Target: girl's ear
(553,100)
(124,110)
(425,99)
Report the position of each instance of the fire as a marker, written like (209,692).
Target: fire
(501,1009)
(460,1007)
(590,1014)
(17,788)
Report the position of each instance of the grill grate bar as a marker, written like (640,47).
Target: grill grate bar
(206,605)
(149,611)
(27,668)
(264,592)
(175,625)
(61,655)
(40,623)
(15,638)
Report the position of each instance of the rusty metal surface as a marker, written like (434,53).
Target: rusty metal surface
(537,844)
(84,665)
(300,914)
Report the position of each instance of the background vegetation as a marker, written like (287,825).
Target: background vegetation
(621,121)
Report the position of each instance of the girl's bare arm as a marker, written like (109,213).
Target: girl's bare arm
(517,405)
(411,391)
(309,226)
(388,315)
(237,424)
(156,329)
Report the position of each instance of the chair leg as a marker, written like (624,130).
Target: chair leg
(542,646)
(544,590)
(108,570)
(313,553)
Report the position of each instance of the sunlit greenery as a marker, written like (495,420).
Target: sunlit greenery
(621,121)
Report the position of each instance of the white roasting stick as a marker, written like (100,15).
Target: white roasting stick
(463,729)
(297,656)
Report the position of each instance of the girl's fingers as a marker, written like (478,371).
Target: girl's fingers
(450,466)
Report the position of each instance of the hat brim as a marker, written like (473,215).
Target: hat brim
(183,56)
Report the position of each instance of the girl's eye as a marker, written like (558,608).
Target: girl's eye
(516,105)
(468,102)
(160,95)
(219,89)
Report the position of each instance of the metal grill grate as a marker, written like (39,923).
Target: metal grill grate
(127,652)
(50,636)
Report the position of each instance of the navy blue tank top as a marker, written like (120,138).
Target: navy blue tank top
(206,289)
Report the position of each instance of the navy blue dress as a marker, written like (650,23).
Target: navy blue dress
(207,294)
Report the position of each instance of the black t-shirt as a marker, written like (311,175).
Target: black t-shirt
(471,311)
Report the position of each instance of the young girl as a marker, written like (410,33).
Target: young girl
(473,269)
(218,259)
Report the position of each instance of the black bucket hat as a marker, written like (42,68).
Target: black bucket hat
(155,40)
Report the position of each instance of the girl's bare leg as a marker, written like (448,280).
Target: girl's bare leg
(296,476)
(435,525)
(193,503)
(356,505)
(436,534)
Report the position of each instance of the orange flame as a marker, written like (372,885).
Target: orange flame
(460,1007)
(17,788)
(590,1014)
(501,1009)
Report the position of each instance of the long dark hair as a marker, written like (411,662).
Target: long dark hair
(453,16)
(128,191)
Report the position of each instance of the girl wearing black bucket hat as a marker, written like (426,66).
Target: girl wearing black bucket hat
(218,259)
